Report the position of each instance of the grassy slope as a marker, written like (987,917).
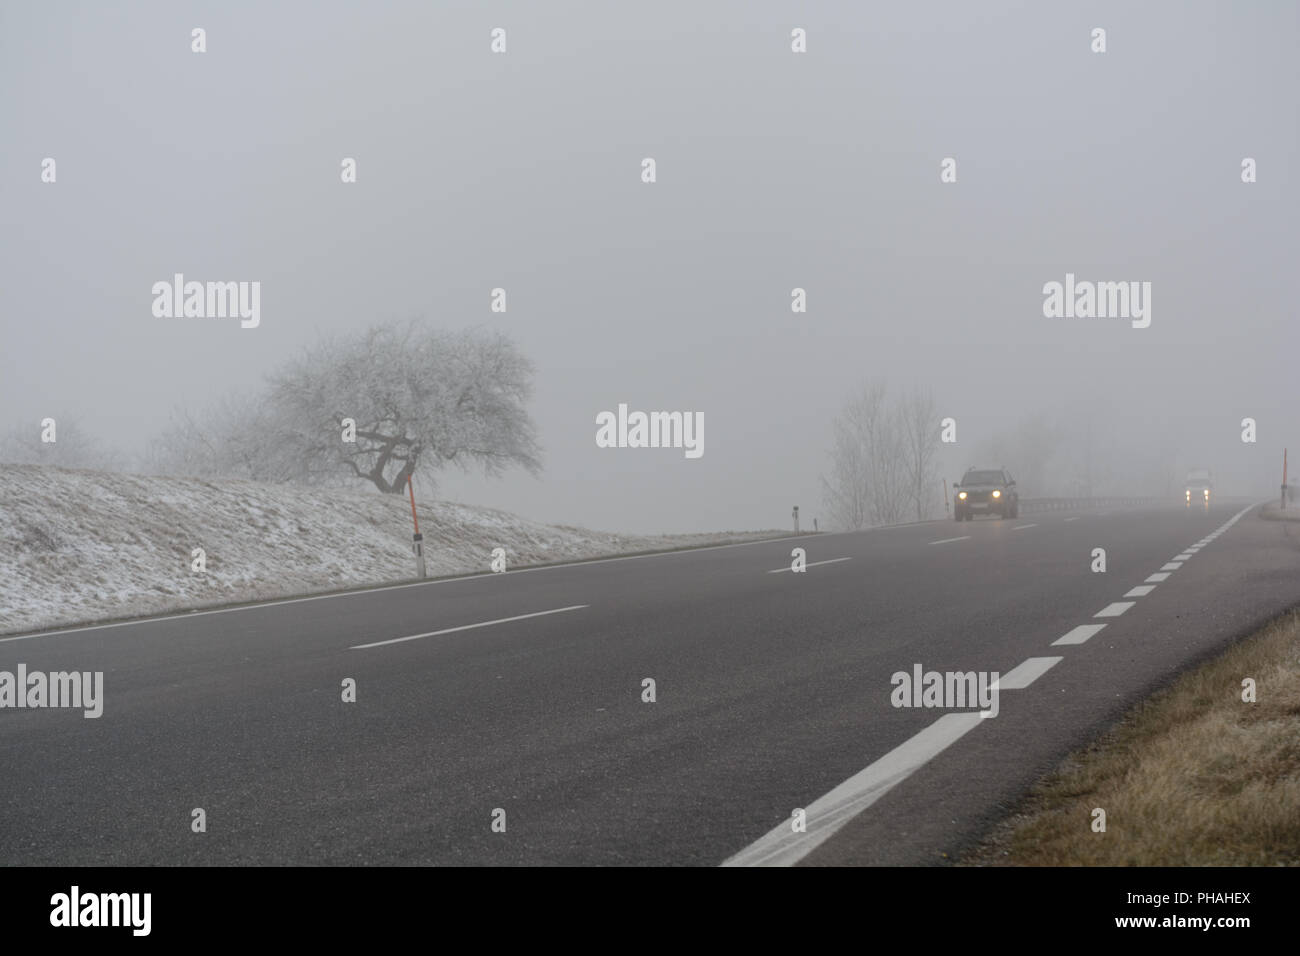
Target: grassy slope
(86,545)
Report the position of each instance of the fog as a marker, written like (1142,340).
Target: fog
(775,171)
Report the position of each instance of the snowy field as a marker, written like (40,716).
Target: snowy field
(82,546)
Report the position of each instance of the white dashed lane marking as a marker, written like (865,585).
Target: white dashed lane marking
(781,846)
(1115,610)
(825,815)
(468,627)
(810,564)
(1079,634)
(1022,676)
(1141,590)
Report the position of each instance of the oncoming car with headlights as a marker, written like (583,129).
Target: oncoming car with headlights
(986,491)
(1199,485)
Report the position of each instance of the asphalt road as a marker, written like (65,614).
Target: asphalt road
(773,690)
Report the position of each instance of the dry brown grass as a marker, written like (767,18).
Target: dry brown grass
(1191,777)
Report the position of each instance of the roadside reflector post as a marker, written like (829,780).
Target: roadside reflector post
(418,545)
(796,519)
(1284,488)
(417,539)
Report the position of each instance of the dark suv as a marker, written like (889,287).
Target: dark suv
(983,491)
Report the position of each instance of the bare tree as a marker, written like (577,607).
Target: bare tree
(920,427)
(238,438)
(868,482)
(845,492)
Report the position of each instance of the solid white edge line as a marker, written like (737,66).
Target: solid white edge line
(465,577)
(353,592)
(468,627)
(964,537)
(1022,527)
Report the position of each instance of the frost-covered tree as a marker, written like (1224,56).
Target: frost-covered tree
(421,399)
(395,401)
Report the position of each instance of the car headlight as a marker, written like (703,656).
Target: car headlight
(997,494)
(1189,492)
(961,495)
(1207,492)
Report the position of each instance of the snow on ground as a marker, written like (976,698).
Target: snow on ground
(79,546)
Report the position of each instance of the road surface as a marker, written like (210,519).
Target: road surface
(772,692)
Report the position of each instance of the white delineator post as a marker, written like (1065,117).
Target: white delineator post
(796,519)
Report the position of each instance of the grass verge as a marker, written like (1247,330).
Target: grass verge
(1193,776)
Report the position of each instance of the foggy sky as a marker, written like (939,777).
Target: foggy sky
(775,171)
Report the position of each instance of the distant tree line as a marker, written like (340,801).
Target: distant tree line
(883,462)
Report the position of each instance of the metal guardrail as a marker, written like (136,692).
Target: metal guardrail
(1035,505)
